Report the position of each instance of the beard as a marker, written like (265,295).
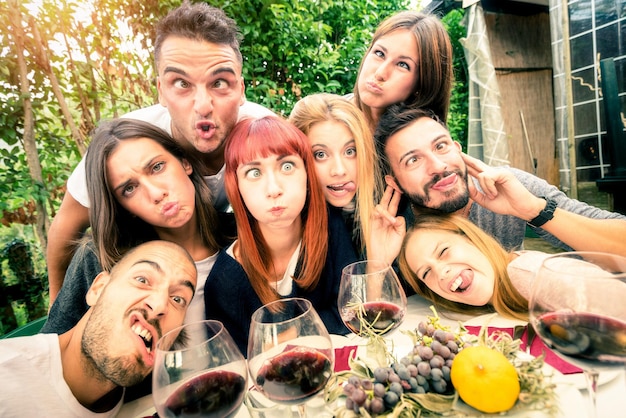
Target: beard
(454,200)
(125,371)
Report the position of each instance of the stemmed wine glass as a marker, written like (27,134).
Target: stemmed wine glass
(201,379)
(371,300)
(290,354)
(577,308)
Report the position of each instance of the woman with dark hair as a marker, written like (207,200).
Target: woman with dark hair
(143,187)
(409,60)
(287,243)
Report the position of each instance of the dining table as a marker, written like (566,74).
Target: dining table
(573,397)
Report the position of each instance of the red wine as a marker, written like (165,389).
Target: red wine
(214,394)
(381,317)
(294,376)
(585,336)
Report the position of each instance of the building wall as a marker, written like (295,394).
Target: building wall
(583,32)
(521,55)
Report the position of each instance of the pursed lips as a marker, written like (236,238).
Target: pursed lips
(374,87)
(170,209)
(277,210)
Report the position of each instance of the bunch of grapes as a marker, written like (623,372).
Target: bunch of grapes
(425,369)
(384,391)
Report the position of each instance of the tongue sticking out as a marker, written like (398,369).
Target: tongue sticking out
(445,182)
(463,281)
(347,187)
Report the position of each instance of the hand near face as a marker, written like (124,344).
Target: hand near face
(501,192)
(388,230)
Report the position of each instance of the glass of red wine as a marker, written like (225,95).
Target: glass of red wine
(371,299)
(198,379)
(290,353)
(577,307)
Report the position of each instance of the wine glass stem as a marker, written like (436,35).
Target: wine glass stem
(591,376)
(302,410)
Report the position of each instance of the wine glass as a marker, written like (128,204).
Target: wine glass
(205,379)
(371,300)
(290,353)
(577,307)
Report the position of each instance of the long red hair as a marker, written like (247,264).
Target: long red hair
(249,140)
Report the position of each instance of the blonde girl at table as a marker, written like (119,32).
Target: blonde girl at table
(345,159)
(143,186)
(460,268)
(409,60)
(287,243)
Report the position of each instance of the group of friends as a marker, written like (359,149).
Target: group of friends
(207,206)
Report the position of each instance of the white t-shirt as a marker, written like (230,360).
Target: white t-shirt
(195,311)
(160,117)
(32,380)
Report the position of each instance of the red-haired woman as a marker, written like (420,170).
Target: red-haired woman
(287,242)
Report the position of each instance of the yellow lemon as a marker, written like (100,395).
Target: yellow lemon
(485,379)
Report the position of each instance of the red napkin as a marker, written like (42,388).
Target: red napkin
(342,355)
(536,349)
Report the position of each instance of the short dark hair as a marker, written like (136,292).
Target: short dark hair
(396,118)
(200,22)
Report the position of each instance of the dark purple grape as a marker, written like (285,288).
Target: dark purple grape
(381,374)
(404,374)
(422,327)
(366,384)
(359,396)
(348,388)
(379,390)
(349,403)
(396,387)
(436,375)
(412,368)
(354,380)
(446,372)
(444,351)
(425,352)
(424,369)
(439,336)
(453,346)
(437,361)
(377,406)
(391,399)
(393,377)
(439,385)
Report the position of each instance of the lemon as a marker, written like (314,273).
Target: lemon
(485,379)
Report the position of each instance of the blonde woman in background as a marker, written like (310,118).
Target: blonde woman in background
(345,159)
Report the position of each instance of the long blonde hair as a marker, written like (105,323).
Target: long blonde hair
(323,107)
(506,301)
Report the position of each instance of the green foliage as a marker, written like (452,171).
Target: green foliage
(293,49)
(459,102)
